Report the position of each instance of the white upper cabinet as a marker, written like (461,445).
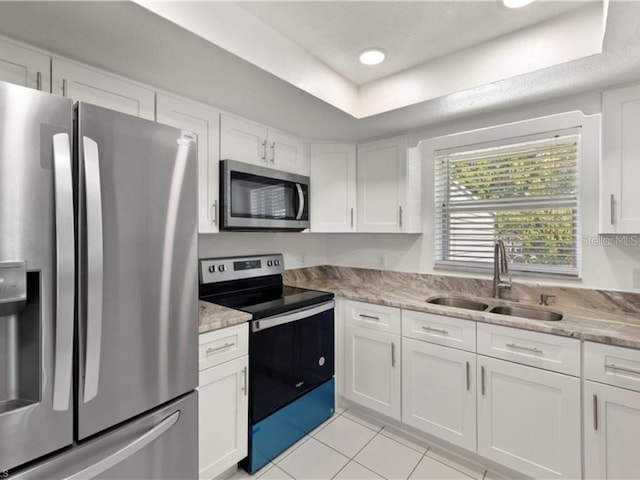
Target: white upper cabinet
(620,163)
(388,187)
(25,67)
(333,187)
(82,83)
(249,142)
(204,121)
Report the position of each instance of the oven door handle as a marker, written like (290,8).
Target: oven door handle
(270,322)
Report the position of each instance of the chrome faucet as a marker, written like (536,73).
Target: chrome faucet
(500,265)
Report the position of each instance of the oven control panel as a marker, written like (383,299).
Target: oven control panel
(214,270)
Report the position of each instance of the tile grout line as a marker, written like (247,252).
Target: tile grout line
(419,461)
(427,448)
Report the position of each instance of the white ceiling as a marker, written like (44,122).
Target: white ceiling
(124,38)
(411,32)
(435,47)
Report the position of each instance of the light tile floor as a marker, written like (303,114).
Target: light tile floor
(348,446)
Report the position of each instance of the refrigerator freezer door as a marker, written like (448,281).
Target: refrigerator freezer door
(138,292)
(161,445)
(37,232)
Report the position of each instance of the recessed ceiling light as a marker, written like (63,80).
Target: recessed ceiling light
(372,56)
(516,3)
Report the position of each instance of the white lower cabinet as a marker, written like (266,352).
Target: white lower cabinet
(222,400)
(611,432)
(439,391)
(372,369)
(529,419)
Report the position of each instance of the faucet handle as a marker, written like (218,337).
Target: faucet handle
(544,298)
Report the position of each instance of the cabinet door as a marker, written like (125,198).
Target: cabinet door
(529,419)
(372,369)
(287,153)
(99,88)
(620,164)
(611,432)
(439,391)
(382,185)
(223,417)
(333,187)
(204,121)
(25,67)
(242,141)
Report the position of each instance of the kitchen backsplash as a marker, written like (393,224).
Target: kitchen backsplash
(591,299)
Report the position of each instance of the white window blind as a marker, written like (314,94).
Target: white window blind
(525,193)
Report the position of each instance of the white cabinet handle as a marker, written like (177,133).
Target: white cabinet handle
(244,381)
(468,376)
(39,80)
(400,220)
(393,354)
(595,412)
(214,212)
(351,217)
(211,350)
(482,380)
(522,347)
(436,330)
(613,366)
(273,153)
(612,201)
(264,151)
(64,88)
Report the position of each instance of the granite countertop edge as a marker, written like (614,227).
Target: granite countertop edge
(611,329)
(214,317)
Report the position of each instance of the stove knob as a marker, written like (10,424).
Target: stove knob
(222,268)
(276,263)
(269,263)
(212,269)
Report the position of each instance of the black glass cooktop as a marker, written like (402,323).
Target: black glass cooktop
(273,300)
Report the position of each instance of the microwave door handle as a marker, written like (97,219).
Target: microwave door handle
(94,280)
(300,201)
(65,266)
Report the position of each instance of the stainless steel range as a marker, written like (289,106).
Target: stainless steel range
(291,349)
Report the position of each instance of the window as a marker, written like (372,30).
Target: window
(525,193)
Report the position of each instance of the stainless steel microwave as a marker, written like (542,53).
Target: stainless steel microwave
(260,198)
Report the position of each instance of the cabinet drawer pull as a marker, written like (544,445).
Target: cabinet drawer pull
(436,330)
(613,366)
(264,151)
(273,152)
(400,219)
(217,349)
(39,80)
(369,317)
(595,412)
(214,212)
(522,347)
(351,217)
(393,354)
(468,376)
(482,380)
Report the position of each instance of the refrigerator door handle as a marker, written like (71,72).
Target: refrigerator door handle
(128,450)
(93,196)
(65,271)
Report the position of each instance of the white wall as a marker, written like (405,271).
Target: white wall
(299,249)
(604,264)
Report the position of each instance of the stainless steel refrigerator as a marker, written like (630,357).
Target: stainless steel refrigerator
(98,292)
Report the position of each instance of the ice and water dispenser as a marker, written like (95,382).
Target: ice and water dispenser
(19,336)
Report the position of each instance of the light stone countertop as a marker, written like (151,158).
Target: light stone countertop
(213,317)
(598,322)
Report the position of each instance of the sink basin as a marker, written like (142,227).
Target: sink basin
(527,313)
(458,302)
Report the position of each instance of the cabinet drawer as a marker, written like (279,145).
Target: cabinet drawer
(616,366)
(451,332)
(551,352)
(223,345)
(376,317)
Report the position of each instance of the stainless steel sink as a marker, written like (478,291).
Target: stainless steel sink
(531,313)
(458,302)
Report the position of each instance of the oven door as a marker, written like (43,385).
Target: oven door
(289,355)
(258,198)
